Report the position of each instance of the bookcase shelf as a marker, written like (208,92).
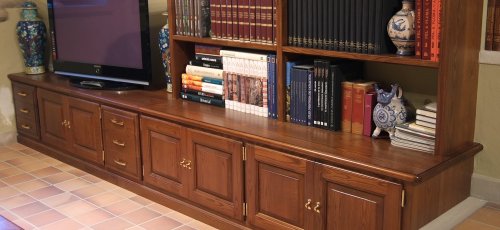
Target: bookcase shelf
(226,43)
(385,58)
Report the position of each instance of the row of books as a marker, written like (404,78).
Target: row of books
(492,39)
(344,25)
(428,29)
(244,20)
(419,134)
(192,17)
(314,93)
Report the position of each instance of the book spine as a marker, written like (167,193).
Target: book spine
(434,12)
(217,19)
(293,95)
(315,17)
(371,29)
(368,125)
(300,23)
(235,19)
(308,18)
(291,25)
(316,97)
(309,120)
(438,31)
(223,15)
(208,58)
(358,99)
(490,25)
(258,21)
(246,21)
(201,99)
(332,25)
(427,24)
(343,15)
(210,50)
(364,27)
(205,18)
(326,107)
(358,41)
(379,33)
(206,64)
(203,94)
(197,18)
(241,20)
(192,18)
(352,26)
(418,28)
(178,17)
(202,71)
(252,9)
(274,21)
(268,12)
(229,16)
(346,106)
(496,30)
(244,55)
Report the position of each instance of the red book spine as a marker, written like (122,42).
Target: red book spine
(434,22)
(258,20)
(223,16)
(251,21)
(368,125)
(241,20)
(246,21)
(234,10)
(359,91)
(490,25)
(275,19)
(438,30)
(426,39)
(418,28)
(229,14)
(217,30)
(496,30)
(346,106)
(269,20)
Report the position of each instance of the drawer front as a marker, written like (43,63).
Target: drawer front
(28,127)
(23,93)
(124,164)
(119,120)
(24,109)
(125,142)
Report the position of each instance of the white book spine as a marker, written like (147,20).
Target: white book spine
(203,71)
(243,55)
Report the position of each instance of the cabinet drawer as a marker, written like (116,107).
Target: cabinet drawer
(24,93)
(28,127)
(24,109)
(119,120)
(125,142)
(123,163)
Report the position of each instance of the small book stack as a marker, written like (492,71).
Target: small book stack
(420,134)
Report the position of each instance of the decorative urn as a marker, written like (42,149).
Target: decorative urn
(164,44)
(389,111)
(31,34)
(401,29)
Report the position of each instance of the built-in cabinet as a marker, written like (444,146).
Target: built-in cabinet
(71,124)
(26,108)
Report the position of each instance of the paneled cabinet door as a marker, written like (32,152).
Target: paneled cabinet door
(162,155)
(215,168)
(349,200)
(84,124)
(52,119)
(279,189)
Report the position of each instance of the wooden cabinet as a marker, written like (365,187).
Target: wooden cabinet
(120,131)
(26,110)
(204,168)
(71,124)
(289,192)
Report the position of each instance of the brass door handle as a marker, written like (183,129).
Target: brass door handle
(24,111)
(182,162)
(27,127)
(119,123)
(116,142)
(316,208)
(308,204)
(64,123)
(22,94)
(188,165)
(121,163)
(69,124)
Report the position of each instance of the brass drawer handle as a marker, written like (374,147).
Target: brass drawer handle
(24,111)
(119,123)
(121,163)
(22,94)
(27,127)
(116,142)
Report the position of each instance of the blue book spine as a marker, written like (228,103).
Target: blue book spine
(274,87)
(288,111)
(201,99)
(269,87)
(310,75)
(211,80)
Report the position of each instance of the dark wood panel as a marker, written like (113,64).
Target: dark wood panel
(225,43)
(85,129)
(23,92)
(162,155)
(28,127)
(51,111)
(215,172)
(279,187)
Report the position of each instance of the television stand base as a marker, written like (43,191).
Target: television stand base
(102,85)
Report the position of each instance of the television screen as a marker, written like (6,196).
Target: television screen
(101,39)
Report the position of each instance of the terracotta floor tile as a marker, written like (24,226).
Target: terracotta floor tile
(77,172)
(60,200)
(86,192)
(31,185)
(4,149)
(161,223)
(487,215)
(9,155)
(45,192)
(113,224)
(7,192)
(10,216)
(44,172)
(122,207)
(37,155)
(23,224)
(180,217)
(29,151)
(93,217)
(45,218)
(76,208)
(136,228)
(91,178)
(9,172)
(16,201)
(19,178)
(186,227)
(16,146)
(33,166)
(159,208)
(2,184)
(474,225)
(140,216)
(21,160)
(51,161)
(125,193)
(4,165)
(141,200)
(105,199)
(106,185)
(30,209)
(71,185)
(59,177)
(64,224)
(200,225)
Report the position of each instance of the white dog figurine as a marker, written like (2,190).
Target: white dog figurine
(7,4)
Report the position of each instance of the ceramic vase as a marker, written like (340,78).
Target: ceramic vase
(389,111)
(31,33)
(401,29)
(164,44)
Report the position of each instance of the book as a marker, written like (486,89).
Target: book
(426,124)
(202,99)
(418,28)
(204,94)
(426,23)
(426,119)
(206,64)
(412,145)
(432,106)
(289,67)
(422,129)
(426,113)
(346,106)
(370,102)
(496,28)
(209,58)
(359,90)
(414,137)
(405,128)
(215,81)
(206,49)
(490,25)
(203,71)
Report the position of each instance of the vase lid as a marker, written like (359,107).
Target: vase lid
(29,5)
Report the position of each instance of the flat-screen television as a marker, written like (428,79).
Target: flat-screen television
(101,43)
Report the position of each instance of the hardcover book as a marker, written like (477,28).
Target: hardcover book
(359,90)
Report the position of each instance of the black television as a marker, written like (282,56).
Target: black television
(101,43)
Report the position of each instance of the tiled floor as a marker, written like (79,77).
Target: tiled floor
(485,218)
(39,192)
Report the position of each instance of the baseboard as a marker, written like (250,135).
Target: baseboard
(455,215)
(485,188)
(8,137)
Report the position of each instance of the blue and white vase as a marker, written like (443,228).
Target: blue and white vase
(389,111)
(401,29)
(31,34)
(164,44)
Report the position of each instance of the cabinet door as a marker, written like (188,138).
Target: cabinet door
(215,167)
(349,200)
(162,148)
(51,112)
(279,189)
(85,126)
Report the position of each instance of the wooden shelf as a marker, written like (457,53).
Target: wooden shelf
(386,58)
(226,43)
